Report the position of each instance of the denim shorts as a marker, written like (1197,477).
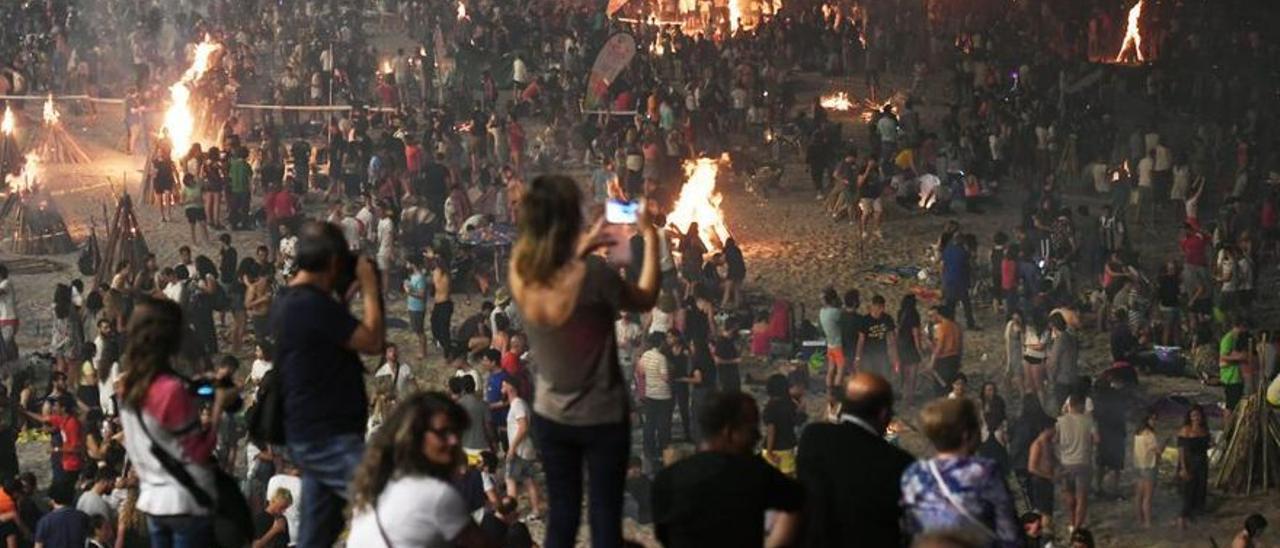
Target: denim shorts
(519,469)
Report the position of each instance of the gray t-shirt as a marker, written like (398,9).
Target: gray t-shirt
(577,377)
(478,414)
(1064,358)
(1075,433)
(829,319)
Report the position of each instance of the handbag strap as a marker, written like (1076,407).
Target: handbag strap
(951,499)
(174,466)
(378,520)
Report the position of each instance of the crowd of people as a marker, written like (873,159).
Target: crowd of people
(435,172)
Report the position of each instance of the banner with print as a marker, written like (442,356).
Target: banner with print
(616,54)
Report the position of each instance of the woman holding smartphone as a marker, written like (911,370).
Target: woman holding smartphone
(570,298)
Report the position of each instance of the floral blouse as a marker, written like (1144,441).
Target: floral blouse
(975,483)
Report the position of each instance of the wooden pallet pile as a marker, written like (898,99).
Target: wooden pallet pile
(55,144)
(124,241)
(1250,459)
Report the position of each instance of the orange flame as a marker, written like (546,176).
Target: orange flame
(29,175)
(462,11)
(699,202)
(735,14)
(51,114)
(8,124)
(836,101)
(179,121)
(1132,36)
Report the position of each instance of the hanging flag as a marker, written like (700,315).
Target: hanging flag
(616,54)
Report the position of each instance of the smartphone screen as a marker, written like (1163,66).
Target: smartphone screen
(621,213)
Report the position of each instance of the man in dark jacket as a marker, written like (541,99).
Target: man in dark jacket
(850,473)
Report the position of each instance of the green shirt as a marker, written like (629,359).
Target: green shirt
(239,172)
(191,196)
(1228,370)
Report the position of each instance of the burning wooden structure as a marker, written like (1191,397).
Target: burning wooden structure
(29,216)
(54,144)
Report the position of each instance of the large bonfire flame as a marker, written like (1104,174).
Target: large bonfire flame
(700,203)
(179,120)
(1132,36)
(26,179)
(462,11)
(8,124)
(51,114)
(836,101)
(735,14)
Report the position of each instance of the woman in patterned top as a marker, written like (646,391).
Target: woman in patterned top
(955,489)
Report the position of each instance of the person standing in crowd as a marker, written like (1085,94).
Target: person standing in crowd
(1233,352)
(8,323)
(64,526)
(325,404)
(415,289)
(1062,361)
(1194,442)
(520,454)
(782,416)
(1077,436)
(956,490)
(710,499)
(442,301)
(654,382)
(850,506)
(877,342)
(401,495)
(948,345)
(160,417)
(1146,455)
(569,299)
(829,320)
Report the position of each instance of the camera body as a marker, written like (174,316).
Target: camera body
(205,388)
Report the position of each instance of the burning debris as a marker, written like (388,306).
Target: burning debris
(9,151)
(55,144)
(836,101)
(699,202)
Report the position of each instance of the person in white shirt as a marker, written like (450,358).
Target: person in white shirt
(401,493)
(1146,185)
(386,242)
(654,375)
(395,372)
(289,480)
(8,320)
(520,453)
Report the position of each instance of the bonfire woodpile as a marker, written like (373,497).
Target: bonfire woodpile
(55,145)
(124,241)
(1251,459)
(35,225)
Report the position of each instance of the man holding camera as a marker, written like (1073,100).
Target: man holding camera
(317,341)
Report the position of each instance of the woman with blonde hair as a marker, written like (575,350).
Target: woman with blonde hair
(401,492)
(570,299)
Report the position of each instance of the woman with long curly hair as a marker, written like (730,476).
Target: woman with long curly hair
(158,412)
(401,495)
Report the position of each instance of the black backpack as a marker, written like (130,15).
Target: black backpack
(265,418)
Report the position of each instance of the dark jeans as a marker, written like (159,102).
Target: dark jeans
(182,531)
(327,466)
(681,397)
(441,316)
(657,428)
(604,449)
(955,297)
(947,369)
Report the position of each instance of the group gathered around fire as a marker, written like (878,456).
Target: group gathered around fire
(451,193)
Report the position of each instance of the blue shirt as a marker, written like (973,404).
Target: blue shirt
(417,283)
(955,267)
(65,527)
(324,393)
(972,482)
(493,394)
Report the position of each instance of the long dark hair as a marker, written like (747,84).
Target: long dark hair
(155,334)
(550,222)
(396,448)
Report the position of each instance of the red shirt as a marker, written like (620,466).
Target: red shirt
(511,363)
(69,428)
(1193,248)
(1008,274)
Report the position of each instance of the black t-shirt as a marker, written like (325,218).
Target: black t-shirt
(781,413)
(703,363)
(641,488)
(906,340)
(435,185)
(877,331)
(515,535)
(735,266)
(850,325)
(717,499)
(262,523)
(65,526)
(1167,290)
(324,393)
(696,324)
(473,327)
(228,259)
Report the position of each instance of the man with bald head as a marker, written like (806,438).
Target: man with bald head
(850,473)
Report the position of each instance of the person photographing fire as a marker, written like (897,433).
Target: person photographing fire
(318,343)
(569,299)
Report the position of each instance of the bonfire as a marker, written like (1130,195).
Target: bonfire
(699,202)
(29,215)
(836,101)
(9,154)
(1132,38)
(179,118)
(55,145)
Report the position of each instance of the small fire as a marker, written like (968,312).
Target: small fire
(462,11)
(51,114)
(386,67)
(8,124)
(657,48)
(1132,36)
(179,121)
(699,202)
(836,101)
(28,177)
